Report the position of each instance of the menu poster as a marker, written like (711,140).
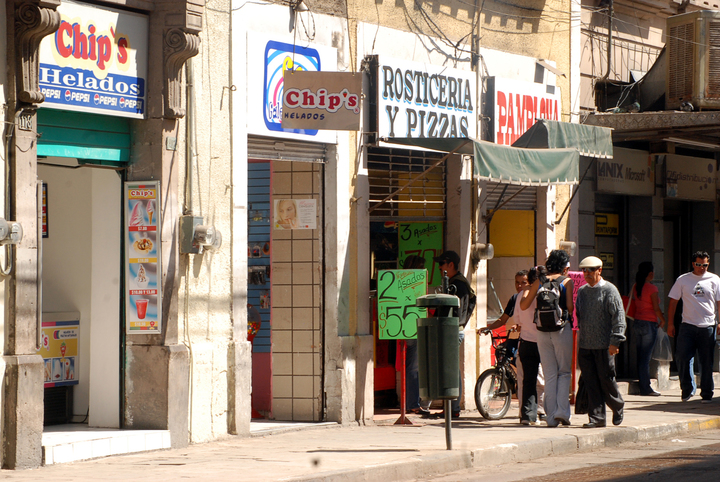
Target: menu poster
(143,303)
(397,291)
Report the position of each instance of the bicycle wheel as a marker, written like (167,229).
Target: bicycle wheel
(492,394)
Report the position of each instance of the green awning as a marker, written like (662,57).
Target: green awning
(592,141)
(527,167)
(513,165)
(89,138)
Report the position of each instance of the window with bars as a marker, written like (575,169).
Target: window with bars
(391,169)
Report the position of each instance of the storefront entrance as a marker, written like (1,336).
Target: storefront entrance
(285,289)
(81,265)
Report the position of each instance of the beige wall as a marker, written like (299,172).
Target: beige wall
(205,291)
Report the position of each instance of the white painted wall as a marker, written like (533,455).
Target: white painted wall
(81,272)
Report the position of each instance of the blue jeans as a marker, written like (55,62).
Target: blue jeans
(412,384)
(689,339)
(645,333)
(556,349)
(455,405)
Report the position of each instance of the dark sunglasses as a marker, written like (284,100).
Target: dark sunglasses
(442,263)
(702,265)
(589,270)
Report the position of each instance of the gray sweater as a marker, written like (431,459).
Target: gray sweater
(601,317)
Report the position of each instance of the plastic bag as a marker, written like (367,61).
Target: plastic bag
(662,351)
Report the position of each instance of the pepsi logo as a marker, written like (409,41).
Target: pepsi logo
(122,101)
(97,99)
(67,95)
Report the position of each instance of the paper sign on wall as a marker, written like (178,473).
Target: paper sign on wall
(295,214)
(143,300)
(59,349)
(397,291)
(425,240)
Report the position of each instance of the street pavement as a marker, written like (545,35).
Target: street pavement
(384,451)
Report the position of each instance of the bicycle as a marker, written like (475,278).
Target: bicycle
(496,385)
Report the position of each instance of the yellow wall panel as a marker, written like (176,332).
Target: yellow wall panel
(512,233)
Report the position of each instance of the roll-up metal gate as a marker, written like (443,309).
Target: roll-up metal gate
(390,169)
(285,150)
(509,196)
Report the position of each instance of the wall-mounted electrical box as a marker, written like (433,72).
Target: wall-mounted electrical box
(196,237)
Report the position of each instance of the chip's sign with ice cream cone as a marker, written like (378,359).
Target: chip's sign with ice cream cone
(321,100)
(143,303)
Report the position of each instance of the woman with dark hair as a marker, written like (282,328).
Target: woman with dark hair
(528,356)
(647,313)
(556,347)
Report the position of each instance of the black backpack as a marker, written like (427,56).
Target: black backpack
(549,316)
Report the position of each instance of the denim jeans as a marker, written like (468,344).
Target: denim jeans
(689,339)
(645,333)
(556,348)
(412,383)
(455,405)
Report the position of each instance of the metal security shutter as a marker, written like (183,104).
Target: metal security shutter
(497,193)
(285,150)
(390,169)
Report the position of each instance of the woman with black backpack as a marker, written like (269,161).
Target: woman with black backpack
(554,307)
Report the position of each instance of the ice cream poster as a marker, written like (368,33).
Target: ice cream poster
(295,214)
(143,303)
(59,350)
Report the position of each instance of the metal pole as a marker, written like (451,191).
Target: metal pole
(448,423)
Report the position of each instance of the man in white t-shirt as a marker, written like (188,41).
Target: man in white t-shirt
(700,292)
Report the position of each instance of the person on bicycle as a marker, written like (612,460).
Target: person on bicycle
(521,281)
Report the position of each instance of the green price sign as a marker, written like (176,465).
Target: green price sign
(422,239)
(397,314)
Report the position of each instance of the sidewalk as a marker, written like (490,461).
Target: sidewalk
(328,452)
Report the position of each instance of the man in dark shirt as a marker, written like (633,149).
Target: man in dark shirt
(449,261)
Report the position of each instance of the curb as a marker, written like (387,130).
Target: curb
(451,461)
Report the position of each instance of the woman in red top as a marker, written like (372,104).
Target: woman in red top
(645,326)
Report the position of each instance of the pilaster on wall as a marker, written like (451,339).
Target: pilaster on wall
(28,22)
(173,38)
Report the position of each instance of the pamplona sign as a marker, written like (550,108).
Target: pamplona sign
(96,61)
(422,100)
(518,104)
(321,100)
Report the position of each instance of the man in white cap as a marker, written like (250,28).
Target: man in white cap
(601,325)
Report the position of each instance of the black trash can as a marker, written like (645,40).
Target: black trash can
(438,350)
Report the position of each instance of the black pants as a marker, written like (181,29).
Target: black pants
(530,359)
(598,371)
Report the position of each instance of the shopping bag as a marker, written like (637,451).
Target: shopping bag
(581,398)
(662,351)
(629,305)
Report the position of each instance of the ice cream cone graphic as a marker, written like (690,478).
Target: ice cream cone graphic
(150,208)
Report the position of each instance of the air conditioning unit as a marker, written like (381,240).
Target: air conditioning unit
(693,46)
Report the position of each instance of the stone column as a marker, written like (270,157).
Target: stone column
(156,384)
(27,23)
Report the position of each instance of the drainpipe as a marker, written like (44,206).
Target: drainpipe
(610,38)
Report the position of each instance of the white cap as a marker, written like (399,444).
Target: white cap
(591,262)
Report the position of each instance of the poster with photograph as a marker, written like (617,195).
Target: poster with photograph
(295,214)
(143,303)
